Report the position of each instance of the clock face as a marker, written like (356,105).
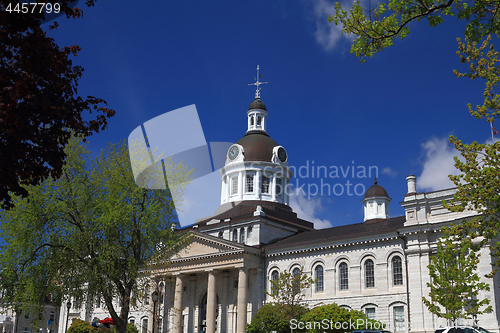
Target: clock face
(233,152)
(282,154)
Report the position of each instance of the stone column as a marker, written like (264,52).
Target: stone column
(242,300)
(224,306)
(179,290)
(211,302)
(192,303)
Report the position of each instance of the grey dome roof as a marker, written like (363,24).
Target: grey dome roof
(258,146)
(376,191)
(257,104)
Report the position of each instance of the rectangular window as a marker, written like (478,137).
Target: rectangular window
(265,184)
(234,185)
(249,184)
(144,326)
(370,313)
(399,319)
(397,271)
(52,316)
(279,187)
(369,274)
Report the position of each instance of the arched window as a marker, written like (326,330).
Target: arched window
(344,276)
(275,275)
(296,280)
(397,271)
(249,233)
(318,272)
(242,235)
(369,274)
(235,235)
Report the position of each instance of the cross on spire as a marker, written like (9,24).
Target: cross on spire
(257,84)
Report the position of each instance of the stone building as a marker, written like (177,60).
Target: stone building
(217,282)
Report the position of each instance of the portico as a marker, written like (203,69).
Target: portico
(224,274)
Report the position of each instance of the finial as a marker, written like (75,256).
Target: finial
(257,84)
(375,180)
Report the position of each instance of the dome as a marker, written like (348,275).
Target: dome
(258,146)
(376,191)
(257,104)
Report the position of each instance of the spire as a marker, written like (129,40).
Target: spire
(375,180)
(257,84)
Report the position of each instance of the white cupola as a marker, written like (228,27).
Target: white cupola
(256,166)
(376,203)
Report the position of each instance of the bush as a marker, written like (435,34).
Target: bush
(81,326)
(274,317)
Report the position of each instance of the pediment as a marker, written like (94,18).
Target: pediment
(206,246)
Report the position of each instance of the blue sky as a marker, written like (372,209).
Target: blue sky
(394,112)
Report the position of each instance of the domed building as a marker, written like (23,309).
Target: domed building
(217,282)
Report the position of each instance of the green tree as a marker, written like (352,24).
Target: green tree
(328,315)
(273,317)
(39,103)
(478,185)
(88,234)
(455,285)
(288,291)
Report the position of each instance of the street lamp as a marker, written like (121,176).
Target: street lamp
(154,297)
(67,315)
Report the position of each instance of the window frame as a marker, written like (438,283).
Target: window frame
(397,276)
(320,283)
(369,268)
(343,276)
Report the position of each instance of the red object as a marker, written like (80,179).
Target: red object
(494,130)
(109,321)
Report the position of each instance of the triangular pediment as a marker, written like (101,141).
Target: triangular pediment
(200,246)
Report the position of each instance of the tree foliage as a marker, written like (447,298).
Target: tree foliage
(333,313)
(376,28)
(288,290)
(455,284)
(274,317)
(39,103)
(88,234)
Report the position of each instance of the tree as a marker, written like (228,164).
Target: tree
(287,293)
(39,105)
(288,290)
(273,317)
(478,185)
(376,28)
(455,285)
(332,317)
(90,233)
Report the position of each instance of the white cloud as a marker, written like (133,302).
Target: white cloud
(327,34)
(306,209)
(438,164)
(388,171)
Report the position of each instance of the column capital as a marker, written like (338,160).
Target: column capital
(241,267)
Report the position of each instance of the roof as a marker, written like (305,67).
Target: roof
(258,146)
(257,104)
(344,232)
(274,211)
(376,191)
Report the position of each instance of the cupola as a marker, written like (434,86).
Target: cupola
(376,202)
(256,166)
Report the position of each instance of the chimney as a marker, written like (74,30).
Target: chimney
(412,184)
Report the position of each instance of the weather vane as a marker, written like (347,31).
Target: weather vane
(257,84)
